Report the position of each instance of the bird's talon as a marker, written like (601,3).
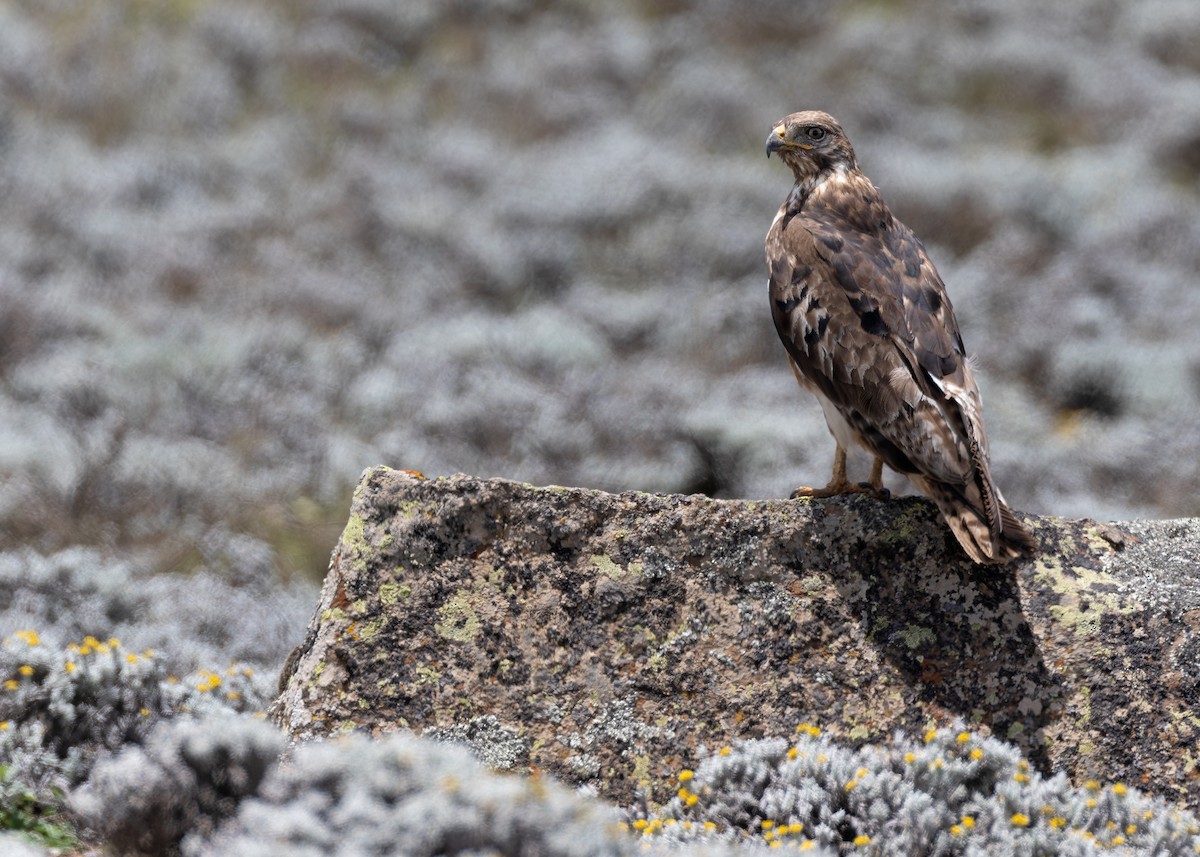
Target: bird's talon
(879,491)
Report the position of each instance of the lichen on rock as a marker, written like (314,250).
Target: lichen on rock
(559,614)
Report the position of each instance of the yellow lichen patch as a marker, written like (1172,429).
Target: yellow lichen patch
(457,619)
(354,542)
(606,566)
(370,629)
(390,593)
(1077,585)
(914,636)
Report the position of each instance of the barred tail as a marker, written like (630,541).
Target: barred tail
(999,540)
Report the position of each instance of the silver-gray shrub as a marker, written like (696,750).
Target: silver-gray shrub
(954,793)
(187,777)
(405,795)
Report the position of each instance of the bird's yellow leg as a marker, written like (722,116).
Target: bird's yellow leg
(838,484)
(877,476)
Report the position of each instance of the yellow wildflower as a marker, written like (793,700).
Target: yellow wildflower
(930,735)
(1119,789)
(956,829)
(1058,822)
(25,670)
(131,658)
(29,638)
(11,684)
(862,839)
(968,821)
(69,666)
(963,737)
(1092,785)
(909,758)
(1020,819)
(1118,840)
(686,775)
(976,754)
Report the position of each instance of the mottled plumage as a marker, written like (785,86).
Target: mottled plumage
(869,329)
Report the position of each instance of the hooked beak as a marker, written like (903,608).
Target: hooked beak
(776,140)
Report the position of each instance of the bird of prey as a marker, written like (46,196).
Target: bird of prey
(869,330)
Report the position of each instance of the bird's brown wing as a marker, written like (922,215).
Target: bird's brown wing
(864,315)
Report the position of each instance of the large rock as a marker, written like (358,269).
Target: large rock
(604,638)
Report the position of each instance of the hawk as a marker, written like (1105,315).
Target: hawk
(869,330)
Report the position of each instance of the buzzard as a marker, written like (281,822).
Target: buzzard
(869,330)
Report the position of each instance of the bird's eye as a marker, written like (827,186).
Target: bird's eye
(815,133)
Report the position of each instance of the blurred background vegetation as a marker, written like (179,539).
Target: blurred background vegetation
(250,247)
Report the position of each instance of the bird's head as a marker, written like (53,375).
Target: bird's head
(811,143)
